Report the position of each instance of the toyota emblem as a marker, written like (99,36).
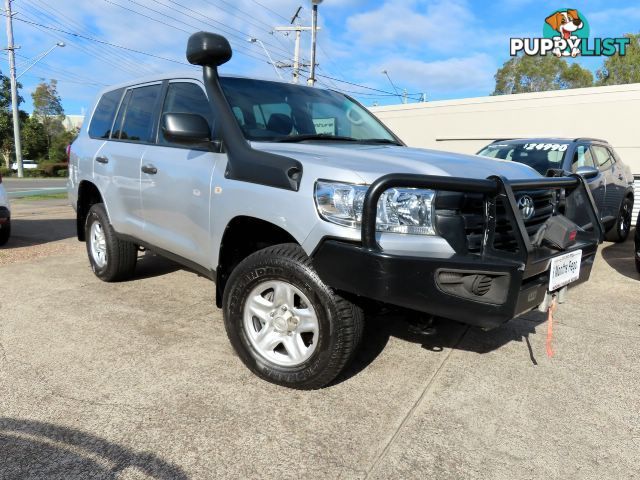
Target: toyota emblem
(527,207)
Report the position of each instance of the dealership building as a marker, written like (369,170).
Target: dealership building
(467,125)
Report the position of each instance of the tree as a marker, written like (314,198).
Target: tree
(6,119)
(618,70)
(48,110)
(34,139)
(525,74)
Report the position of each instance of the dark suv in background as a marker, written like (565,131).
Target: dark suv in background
(637,250)
(610,180)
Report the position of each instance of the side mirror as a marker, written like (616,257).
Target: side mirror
(185,128)
(588,172)
(208,49)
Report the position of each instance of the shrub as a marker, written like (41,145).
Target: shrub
(52,169)
(34,172)
(5,172)
(63,172)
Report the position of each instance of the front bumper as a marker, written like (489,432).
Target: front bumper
(484,289)
(416,282)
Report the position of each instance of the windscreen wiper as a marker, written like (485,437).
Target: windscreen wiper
(315,136)
(380,140)
(325,136)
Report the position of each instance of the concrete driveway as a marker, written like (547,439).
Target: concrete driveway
(137,380)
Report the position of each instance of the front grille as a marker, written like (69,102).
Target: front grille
(473,214)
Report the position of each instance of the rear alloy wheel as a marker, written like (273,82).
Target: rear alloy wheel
(111,259)
(620,231)
(286,325)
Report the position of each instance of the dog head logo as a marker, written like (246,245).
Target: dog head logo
(567,28)
(565,23)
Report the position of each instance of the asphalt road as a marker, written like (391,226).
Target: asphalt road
(22,187)
(138,380)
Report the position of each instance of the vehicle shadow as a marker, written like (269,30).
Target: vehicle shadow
(151,265)
(448,335)
(32,449)
(28,233)
(620,257)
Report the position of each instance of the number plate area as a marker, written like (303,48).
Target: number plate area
(564,270)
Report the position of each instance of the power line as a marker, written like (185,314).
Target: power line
(119,59)
(250,19)
(238,48)
(115,54)
(242,35)
(272,11)
(140,52)
(103,42)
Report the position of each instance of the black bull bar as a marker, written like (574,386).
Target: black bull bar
(518,278)
(581,209)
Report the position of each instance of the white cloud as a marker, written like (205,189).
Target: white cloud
(444,76)
(397,24)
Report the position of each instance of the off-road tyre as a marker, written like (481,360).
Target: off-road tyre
(341,323)
(620,231)
(121,256)
(5,233)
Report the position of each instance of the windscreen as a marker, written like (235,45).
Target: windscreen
(273,111)
(539,156)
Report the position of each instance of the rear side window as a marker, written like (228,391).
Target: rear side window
(139,118)
(602,156)
(185,97)
(102,119)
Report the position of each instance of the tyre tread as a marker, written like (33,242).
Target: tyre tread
(348,324)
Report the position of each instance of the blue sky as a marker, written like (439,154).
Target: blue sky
(446,49)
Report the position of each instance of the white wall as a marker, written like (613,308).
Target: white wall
(610,113)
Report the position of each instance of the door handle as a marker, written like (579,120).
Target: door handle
(150,169)
(104,160)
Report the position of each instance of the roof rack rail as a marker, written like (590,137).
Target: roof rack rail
(582,139)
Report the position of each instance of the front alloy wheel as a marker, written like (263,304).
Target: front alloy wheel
(286,325)
(281,323)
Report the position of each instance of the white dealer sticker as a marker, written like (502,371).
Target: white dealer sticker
(554,147)
(564,270)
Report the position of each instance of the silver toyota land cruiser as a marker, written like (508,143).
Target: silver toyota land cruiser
(301,206)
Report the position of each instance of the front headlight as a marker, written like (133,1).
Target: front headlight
(400,210)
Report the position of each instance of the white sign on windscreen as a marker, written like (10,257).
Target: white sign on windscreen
(326,126)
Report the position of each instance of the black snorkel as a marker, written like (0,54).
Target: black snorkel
(210,50)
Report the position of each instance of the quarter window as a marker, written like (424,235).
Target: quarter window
(602,157)
(102,119)
(186,97)
(137,125)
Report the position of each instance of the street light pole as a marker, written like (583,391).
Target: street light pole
(14,87)
(41,57)
(314,37)
(275,67)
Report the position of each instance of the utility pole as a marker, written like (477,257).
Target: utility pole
(296,56)
(14,87)
(298,29)
(314,38)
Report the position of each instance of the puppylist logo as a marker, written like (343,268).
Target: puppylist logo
(566,33)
